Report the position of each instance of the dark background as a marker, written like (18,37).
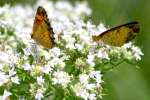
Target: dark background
(126,82)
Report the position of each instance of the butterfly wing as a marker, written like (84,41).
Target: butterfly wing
(119,35)
(42,31)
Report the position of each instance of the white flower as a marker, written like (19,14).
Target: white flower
(15,79)
(39,95)
(84,94)
(6,94)
(90,59)
(81,91)
(55,52)
(103,55)
(69,26)
(101,28)
(12,72)
(70,41)
(85,37)
(78,46)
(90,86)
(79,24)
(58,27)
(27,66)
(13,58)
(127,45)
(90,26)
(80,62)
(4,9)
(61,77)
(63,5)
(97,76)
(84,78)
(137,53)
(46,54)
(82,7)
(57,61)
(32,50)
(1,66)
(4,57)
(70,46)
(68,38)
(40,80)
(92,96)
(3,78)
(46,69)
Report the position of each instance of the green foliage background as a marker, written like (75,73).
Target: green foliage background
(126,82)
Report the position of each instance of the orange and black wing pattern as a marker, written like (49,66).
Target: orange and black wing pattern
(42,31)
(119,35)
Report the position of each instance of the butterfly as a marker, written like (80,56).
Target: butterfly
(42,31)
(119,35)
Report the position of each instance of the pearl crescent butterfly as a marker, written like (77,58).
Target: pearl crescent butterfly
(119,35)
(42,31)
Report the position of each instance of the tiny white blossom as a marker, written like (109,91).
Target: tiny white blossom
(101,28)
(46,69)
(13,58)
(78,46)
(32,50)
(39,95)
(12,72)
(90,26)
(81,91)
(4,57)
(70,41)
(103,55)
(127,45)
(84,78)
(90,86)
(82,7)
(85,38)
(90,59)
(1,66)
(97,76)
(137,52)
(6,94)
(27,66)
(79,24)
(68,38)
(57,61)
(61,77)
(15,79)
(92,96)
(58,27)
(63,5)
(46,54)
(84,94)
(70,46)
(40,80)
(3,78)
(55,52)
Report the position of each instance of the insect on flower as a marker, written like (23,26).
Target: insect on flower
(119,35)
(42,31)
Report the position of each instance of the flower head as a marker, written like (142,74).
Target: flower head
(61,77)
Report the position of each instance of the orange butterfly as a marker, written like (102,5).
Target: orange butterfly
(42,31)
(119,35)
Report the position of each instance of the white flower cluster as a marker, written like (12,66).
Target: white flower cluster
(74,64)
(88,85)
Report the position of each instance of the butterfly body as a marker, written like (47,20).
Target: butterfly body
(42,32)
(119,35)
